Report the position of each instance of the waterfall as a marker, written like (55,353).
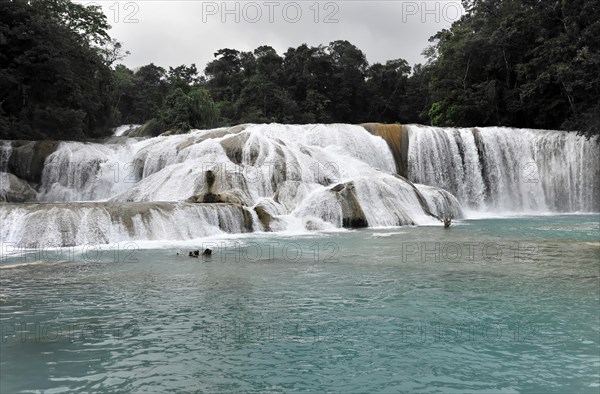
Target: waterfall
(57,225)
(287,178)
(5,152)
(568,168)
(78,171)
(271,178)
(507,170)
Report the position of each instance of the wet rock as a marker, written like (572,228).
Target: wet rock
(397,139)
(338,188)
(196,139)
(13,189)
(215,198)
(353,215)
(27,161)
(173,132)
(248,220)
(234,147)
(264,217)
(151,128)
(268,211)
(447,222)
(210,179)
(311,225)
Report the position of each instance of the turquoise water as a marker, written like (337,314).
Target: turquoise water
(495,305)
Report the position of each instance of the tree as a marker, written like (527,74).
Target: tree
(387,87)
(148,92)
(184,111)
(122,98)
(348,88)
(55,82)
(519,63)
(307,76)
(182,77)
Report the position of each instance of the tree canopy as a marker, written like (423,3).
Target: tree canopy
(55,79)
(520,63)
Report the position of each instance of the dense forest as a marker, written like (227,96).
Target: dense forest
(525,63)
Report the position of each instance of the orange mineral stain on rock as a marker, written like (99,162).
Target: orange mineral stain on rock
(396,137)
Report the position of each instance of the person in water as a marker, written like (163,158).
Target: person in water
(196,253)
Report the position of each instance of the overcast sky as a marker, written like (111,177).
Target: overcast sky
(170,33)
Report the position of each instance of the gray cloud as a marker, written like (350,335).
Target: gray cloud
(170,33)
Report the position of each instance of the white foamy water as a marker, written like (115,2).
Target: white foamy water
(124,129)
(5,152)
(294,179)
(498,170)
(57,225)
(283,178)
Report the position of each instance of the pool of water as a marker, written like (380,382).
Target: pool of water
(496,305)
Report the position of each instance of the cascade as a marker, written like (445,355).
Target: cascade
(67,224)
(507,170)
(272,177)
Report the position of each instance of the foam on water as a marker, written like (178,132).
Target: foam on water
(387,235)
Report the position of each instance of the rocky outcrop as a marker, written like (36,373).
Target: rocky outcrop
(353,215)
(486,175)
(151,128)
(13,189)
(196,139)
(397,139)
(212,196)
(27,159)
(264,217)
(267,211)
(234,146)
(215,198)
